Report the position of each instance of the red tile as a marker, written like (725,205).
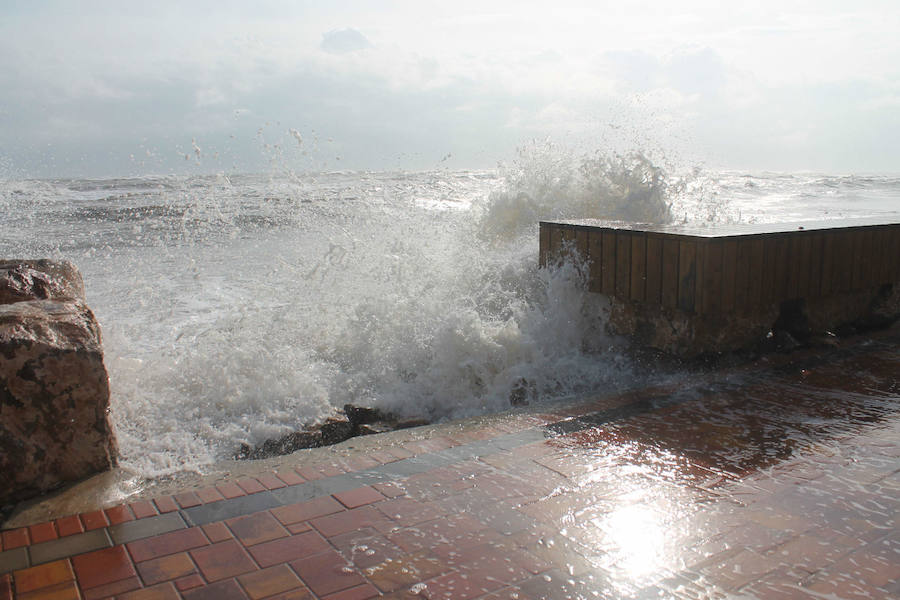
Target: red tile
(270,481)
(166,504)
(390,490)
(289,548)
(42,532)
(296,528)
(462,586)
(304,511)
(223,590)
(358,497)
(222,560)
(230,490)
(250,485)
(310,473)
(119,514)
(93,520)
(167,543)
(256,528)
(271,581)
(166,568)
(43,576)
(163,591)
(350,520)
(187,499)
(208,495)
(103,566)
(15,538)
(217,532)
(6,592)
(289,477)
(112,589)
(327,573)
(362,592)
(190,582)
(143,509)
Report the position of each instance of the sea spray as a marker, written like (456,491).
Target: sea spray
(237,308)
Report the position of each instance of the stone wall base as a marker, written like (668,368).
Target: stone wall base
(689,335)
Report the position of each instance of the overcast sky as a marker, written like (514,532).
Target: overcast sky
(120,88)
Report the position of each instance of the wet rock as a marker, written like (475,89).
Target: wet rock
(22,280)
(54,388)
(351,422)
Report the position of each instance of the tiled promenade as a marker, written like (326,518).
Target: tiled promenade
(777,481)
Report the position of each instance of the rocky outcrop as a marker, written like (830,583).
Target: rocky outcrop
(350,422)
(54,389)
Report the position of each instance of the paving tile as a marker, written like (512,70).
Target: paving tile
(190,582)
(462,586)
(217,532)
(390,490)
(60,591)
(103,566)
(211,494)
(93,520)
(402,573)
(270,481)
(168,543)
(366,547)
(286,549)
(6,588)
(165,504)
(233,507)
(359,497)
(296,528)
(46,575)
(119,514)
(290,477)
(256,528)
(42,532)
(163,591)
(269,582)
(350,520)
(230,490)
(327,573)
(361,592)
(222,560)
(229,589)
(250,485)
(69,546)
(187,499)
(298,594)
(15,538)
(143,509)
(113,589)
(143,528)
(69,525)
(166,568)
(304,511)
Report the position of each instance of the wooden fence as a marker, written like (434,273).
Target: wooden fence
(728,269)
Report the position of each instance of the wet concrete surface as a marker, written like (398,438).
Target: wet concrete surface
(778,479)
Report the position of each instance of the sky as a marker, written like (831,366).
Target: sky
(124,88)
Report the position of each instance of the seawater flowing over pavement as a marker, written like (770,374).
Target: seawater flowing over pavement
(777,480)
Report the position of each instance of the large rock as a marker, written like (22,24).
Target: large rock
(54,389)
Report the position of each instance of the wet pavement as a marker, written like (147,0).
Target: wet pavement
(779,480)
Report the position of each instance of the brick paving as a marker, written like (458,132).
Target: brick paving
(778,481)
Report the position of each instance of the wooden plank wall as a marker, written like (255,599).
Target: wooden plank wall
(709,275)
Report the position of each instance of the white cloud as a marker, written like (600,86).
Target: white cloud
(344,41)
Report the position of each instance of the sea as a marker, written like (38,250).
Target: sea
(235,308)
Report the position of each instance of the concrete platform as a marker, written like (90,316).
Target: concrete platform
(777,480)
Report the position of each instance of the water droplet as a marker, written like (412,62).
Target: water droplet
(418,588)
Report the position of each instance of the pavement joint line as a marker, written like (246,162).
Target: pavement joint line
(96,539)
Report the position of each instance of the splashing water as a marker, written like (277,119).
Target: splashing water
(235,309)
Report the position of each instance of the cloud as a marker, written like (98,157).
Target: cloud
(344,41)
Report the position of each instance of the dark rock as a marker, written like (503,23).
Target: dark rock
(54,389)
(353,421)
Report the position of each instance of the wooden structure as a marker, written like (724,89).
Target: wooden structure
(728,269)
